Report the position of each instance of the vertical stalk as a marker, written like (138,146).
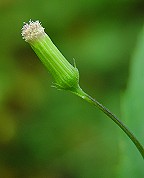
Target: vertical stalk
(95,103)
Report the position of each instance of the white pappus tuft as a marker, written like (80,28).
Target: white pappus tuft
(32,31)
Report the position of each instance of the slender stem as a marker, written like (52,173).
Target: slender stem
(94,102)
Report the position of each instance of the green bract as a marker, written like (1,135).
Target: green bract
(65,75)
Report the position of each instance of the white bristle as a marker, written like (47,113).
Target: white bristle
(32,30)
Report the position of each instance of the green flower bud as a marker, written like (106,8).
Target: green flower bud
(65,75)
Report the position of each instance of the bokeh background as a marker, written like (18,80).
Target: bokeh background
(46,133)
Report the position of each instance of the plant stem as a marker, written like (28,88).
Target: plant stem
(94,102)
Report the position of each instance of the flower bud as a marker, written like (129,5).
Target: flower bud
(65,75)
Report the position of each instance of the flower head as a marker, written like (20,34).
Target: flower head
(65,75)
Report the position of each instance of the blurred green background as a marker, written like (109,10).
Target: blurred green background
(46,133)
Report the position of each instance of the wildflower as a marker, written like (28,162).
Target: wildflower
(65,75)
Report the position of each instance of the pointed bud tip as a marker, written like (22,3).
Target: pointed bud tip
(32,30)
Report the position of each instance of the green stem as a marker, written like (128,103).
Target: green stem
(94,102)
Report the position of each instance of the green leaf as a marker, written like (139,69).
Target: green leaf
(132,164)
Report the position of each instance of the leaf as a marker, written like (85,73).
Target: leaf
(132,164)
